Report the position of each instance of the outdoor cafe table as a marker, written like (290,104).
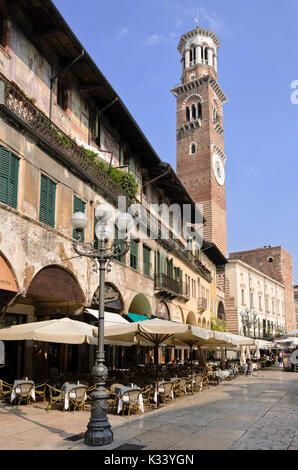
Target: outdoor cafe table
(16,390)
(121,392)
(161,388)
(68,388)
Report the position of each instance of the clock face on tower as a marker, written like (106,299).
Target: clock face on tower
(218,169)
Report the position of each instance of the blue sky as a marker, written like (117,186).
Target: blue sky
(134,43)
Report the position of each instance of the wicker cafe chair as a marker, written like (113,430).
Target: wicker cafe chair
(148,396)
(198,383)
(5,390)
(179,389)
(166,395)
(57,396)
(79,398)
(205,381)
(23,392)
(40,391)
(132,405)
(112,400)
(113,386)
(189,385)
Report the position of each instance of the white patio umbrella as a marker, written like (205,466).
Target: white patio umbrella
(291,342)
(111,319)
(147,333)
(63,330)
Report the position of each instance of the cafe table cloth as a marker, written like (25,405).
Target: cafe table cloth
(161,388)
(68,393)
(16,390)
(120,391)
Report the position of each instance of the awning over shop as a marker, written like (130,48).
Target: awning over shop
(109,317)
(8,285)
(135,317)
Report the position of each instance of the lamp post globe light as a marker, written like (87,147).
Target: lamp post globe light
(99,431)
(249,319)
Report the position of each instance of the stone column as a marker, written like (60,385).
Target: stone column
(210,55)
(187,59)
(215,62)
(199,54)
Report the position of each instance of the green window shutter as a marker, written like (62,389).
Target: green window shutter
(79,206)
(170,268)
(134,254)
(163,264)
(47,201)
(146,260)
(131,165)
(9,171)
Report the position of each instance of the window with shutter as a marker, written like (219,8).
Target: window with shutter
(146,260)
(47,201)
(134,254)
(79,206)
(9,170)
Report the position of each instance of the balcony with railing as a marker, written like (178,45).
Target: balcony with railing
(22,109)
(169,287)
(163,233)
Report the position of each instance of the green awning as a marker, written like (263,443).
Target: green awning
(136,317)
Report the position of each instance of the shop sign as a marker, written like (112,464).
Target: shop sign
(162,311)
(177,315)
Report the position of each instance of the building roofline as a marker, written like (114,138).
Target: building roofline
(230,261)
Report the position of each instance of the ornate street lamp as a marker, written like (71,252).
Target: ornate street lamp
(249,319)
(99,431)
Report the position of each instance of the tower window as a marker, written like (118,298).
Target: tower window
(193,148)
(199,110)
(193,112)
(270,260)
(187,114)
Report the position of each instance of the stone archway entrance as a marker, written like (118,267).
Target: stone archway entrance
(191,319)
(113,298)
(140,306)
(221,314)
(55,291)
(8,284)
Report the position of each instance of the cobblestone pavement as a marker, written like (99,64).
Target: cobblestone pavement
(250,412)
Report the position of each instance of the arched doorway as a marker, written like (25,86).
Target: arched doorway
(221,314)
(55,291)
(8,284)
(113,298)
(140,306)
(191,319)
(138,310)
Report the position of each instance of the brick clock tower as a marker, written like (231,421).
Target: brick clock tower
(200,134)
